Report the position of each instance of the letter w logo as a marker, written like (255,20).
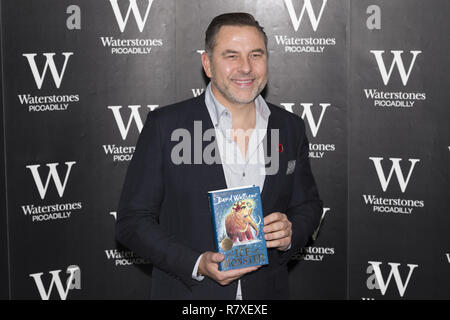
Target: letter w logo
(397,61)
(313,125)
(137,15)
(53,174)
(39,76)
(383,285)
(309,9)
(133,116)
(398,172)
(73,282)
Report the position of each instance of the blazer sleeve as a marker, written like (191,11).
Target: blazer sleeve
(305,207)
(137,225)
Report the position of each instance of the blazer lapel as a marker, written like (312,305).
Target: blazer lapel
(269,192)
(215,171)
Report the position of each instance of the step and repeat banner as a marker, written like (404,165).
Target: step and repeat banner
(369,78)
(399,150)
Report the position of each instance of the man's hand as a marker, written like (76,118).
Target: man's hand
(209,266)
(278,231)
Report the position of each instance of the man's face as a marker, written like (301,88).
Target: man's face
(238,65)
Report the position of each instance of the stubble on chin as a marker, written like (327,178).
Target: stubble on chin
(225,92)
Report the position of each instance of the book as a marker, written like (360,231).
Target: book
(238,226)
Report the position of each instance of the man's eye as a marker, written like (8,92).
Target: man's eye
(233,56)
(256,55)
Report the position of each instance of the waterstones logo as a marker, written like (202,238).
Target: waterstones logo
(124,258)
(54,211)
(122,14)
(114,214)
(313,254)
(51,212)
(50,102)
(72,282)
(378,281)
(118,152)
(310,44)
(322,218)
(400,98)
(49,63)
(393,205)
(197,91)
(314,121)
(52,175)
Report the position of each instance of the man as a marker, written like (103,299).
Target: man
(164,211)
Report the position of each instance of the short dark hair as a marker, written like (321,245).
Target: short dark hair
(230,19)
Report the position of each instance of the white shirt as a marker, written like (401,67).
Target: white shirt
(238,170)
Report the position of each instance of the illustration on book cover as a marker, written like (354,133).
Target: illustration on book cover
(238,222)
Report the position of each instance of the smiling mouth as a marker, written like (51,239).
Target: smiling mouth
(243,83)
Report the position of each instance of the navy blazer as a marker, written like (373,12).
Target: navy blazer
(164,213)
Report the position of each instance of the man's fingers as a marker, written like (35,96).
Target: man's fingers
(276,226)
(280,243)
(274,216)
(239,272)
(285,233)
(226,277)
(211,269)
(217,257)
(278,230)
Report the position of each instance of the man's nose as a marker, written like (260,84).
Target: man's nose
(246,66)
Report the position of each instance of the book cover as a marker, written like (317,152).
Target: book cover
(238,226)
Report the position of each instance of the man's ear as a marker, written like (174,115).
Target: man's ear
(206,62)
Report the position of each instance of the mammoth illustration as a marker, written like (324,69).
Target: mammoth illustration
(237,222)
